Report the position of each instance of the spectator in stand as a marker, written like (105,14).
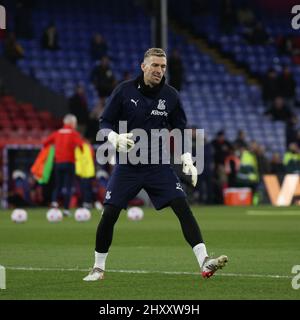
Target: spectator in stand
(262,160)
(270,87)
(248,174)
(289,45)
(79,107)
(232,165)
(103,78)
(287,85)
(13,51)
(228,19)
(65,141)
(93,123)
(276,165)
(298,139)
(291,130)
(285,45)
(50,39)
(257,35)
(126,76)
(279,111)
(219,183)
(221,147)
(240,141)
(176,69)
(204,187)
(23,19)
(295,50)
(246,16)
(98,47)
(291,159)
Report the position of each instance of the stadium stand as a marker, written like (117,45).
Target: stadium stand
(215,95)
(214,98)
(21,123)
(246,107)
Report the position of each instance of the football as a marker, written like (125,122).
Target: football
(135,213)
(54,215)
(82,214)
(19,215)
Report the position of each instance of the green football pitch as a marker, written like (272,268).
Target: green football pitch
(150,259)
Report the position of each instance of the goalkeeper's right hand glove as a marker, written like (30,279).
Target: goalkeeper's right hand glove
(121,142)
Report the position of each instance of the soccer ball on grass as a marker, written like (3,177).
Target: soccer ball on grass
(54,215)
(135,213)
(19,215)
(82,214)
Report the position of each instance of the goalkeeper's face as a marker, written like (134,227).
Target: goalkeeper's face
(154,68)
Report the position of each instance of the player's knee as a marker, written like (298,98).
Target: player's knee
(180,206)
(110,214)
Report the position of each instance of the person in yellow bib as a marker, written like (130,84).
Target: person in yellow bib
(291,159)
(85,170)
(248,174)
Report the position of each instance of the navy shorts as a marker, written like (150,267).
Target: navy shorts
(159,181)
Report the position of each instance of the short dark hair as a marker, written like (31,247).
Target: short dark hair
(158,52)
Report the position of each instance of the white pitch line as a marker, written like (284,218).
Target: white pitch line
(274,276)
(273,213)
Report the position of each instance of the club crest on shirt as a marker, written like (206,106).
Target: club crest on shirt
(160,109)
(161,104)
(178,186)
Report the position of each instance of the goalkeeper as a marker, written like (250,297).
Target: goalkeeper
(148,103)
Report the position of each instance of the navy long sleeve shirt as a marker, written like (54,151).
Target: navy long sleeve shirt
(158,110)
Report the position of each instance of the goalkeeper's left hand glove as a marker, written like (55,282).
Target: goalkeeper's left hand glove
(189,168)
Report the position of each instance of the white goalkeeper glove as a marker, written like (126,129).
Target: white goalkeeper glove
(121,142)
(189,168)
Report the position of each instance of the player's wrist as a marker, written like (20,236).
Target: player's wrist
(113,137)
(186,158)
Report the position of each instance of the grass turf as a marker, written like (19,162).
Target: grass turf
(261,242)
